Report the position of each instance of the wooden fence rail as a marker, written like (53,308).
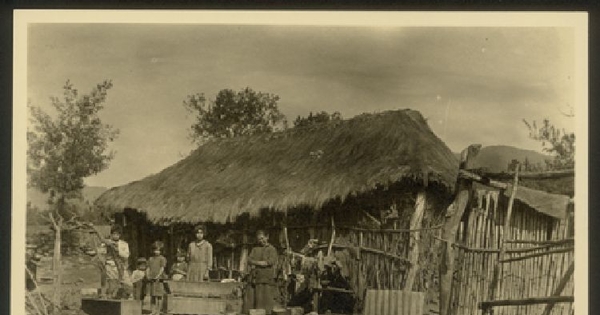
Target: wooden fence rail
(527,301)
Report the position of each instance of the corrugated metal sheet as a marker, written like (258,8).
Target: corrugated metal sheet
(394,302)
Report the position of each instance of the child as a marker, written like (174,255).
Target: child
(155,275)
(117,278)
(138,278)
(199,256)
(179,269)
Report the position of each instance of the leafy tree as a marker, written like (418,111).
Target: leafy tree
(33,214)
(317,118)
(555,141)
(63,149)
(233,114)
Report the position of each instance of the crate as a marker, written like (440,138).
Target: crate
(200,306)
(95,306)
(198,298)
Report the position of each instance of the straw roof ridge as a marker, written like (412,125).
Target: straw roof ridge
(301,166)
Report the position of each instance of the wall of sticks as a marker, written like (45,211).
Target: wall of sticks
(538,252)
(538,249)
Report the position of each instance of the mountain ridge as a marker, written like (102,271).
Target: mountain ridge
(496,158)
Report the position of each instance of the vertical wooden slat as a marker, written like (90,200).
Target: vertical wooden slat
(498,268)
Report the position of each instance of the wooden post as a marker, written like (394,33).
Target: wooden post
(453,218)
(332,237)
(506,228)
(415,223)
(244,254)
(57,223)
(362,277)
(231,262)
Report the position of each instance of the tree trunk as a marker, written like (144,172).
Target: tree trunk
(56,264)
(415,223)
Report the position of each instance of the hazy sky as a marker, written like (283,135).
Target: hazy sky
(474,85)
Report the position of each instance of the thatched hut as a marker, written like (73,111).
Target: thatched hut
(369,173)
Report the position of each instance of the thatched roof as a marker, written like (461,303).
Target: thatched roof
(302,166)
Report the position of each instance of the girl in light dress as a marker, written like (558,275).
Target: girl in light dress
(200,256)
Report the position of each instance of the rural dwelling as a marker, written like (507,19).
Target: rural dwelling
(377,193)
(372,190)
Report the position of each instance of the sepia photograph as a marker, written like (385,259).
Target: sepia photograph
(297,162)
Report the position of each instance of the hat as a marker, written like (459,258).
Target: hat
(181,253)
(141,260)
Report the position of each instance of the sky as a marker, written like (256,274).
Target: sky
(472,84)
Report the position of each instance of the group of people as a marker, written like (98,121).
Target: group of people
(191,265)
(148,277)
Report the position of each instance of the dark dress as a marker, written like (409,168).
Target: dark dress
(179,271)
(260,293)
(156,285)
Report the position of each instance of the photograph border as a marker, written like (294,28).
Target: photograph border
(578,20)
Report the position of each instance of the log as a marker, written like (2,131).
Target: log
(332,236)
(332,289)
(552,242)
(366,249)
(527,249)
(526,301)
(453,218)
(531,175)
(556,251)
(352,228)
(482,180)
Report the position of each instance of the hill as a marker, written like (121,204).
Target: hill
(496,158)
(38,198)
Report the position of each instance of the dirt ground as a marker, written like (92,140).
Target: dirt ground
(78,272)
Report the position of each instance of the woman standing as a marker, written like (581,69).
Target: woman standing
(199,256)
(260,294)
